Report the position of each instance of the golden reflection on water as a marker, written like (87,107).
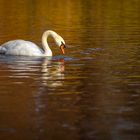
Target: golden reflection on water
(94,92)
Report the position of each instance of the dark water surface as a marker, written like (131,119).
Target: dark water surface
(91,93)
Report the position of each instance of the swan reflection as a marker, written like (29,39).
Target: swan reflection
(42,71)
(52,75)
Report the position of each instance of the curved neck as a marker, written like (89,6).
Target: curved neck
(47,50)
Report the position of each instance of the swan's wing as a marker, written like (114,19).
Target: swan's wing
(21,47)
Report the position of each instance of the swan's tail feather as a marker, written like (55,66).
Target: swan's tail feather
(2,50)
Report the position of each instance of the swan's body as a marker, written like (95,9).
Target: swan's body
(27,48)
(21,47)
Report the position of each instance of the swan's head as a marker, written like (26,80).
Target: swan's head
(57,38)
(60,42)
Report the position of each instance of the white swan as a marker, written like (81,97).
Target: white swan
(27,48)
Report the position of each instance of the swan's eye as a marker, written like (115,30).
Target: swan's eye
(62,44)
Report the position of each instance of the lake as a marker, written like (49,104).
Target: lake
(90,93)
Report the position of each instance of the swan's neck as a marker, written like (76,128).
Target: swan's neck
(47,50)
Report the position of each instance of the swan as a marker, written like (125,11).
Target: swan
(28,48)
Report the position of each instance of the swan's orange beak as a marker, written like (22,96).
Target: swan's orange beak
(62,48)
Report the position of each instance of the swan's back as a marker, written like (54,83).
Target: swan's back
(20,47)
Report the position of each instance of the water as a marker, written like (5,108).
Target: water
(93,92)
